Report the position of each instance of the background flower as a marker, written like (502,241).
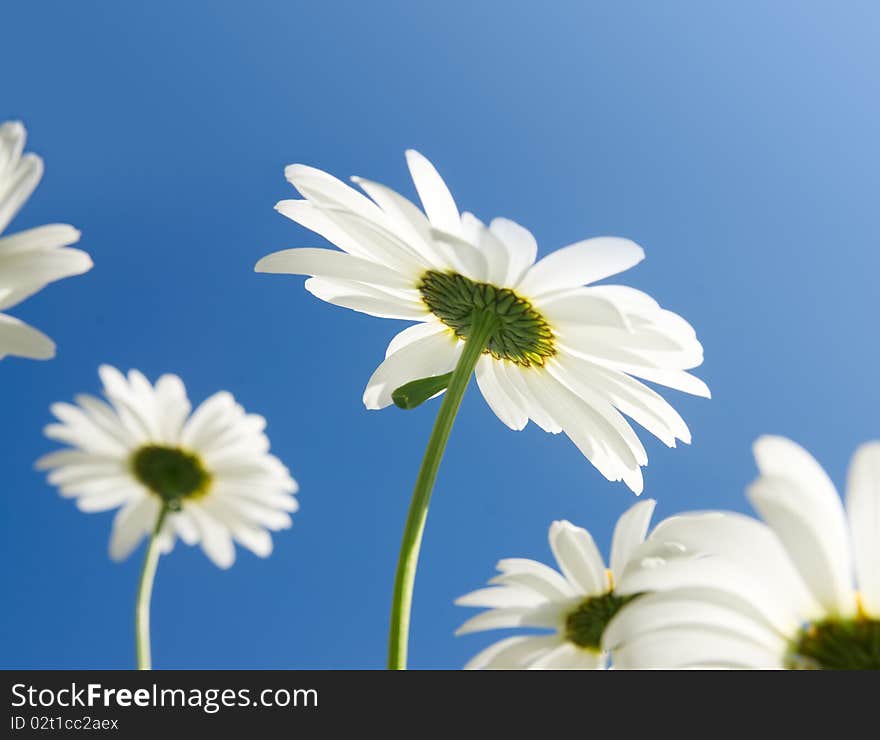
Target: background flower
(29,260)
(144,450)
(577,604)
(801,591)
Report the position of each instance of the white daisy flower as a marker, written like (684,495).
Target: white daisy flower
(577,604)
(558,353)
(143,452)
(801,591)
(29,260)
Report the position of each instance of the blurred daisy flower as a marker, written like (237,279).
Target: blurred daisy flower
(800,590)
(144,452)
(557,350)
(206,477)
(29,260)
(576,603)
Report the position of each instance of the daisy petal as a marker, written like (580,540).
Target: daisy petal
(435,196)
(863,507)
(629,533)
(132,523)
(580,264)
(17,338)
(434,354)
(367,299)
(499,398)
(686,647)
(522,249)
(512,653)
(326,263)
(806,514)
(578,558)
(18,185)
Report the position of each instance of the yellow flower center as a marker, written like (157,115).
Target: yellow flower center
(837,644)
(522,335)
(170,473)
(585,625)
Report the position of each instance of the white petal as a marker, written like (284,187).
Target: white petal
(41,267)
(863,507)
(495,252)
(779,456)
(173,407)
(367,299)
(132,522)
(739,539)
(640,346)
(601,408)
(686,647)
(534,575)
(326,263)
(435,196)
(687,608)
(500,597)
(751,594)
(464,257)
(17,186)
(13,136)
(812,539)
(508,618)
(214,538)
(581,307)
(513,653)
(580,264)
(593,435)
(104,500)
(207,421)
(629,533)
(414,333)
(516,386)
(436,354)
(17,338)
(310,216)
(408,221)
(328,191)
(502,399)
(578,558)
(633,398)
(254,538)
(565,657)
(61,458)
(522,249)
(42,238)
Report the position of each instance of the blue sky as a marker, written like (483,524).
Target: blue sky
(737,142)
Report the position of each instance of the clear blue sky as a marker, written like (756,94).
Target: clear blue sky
(737,142)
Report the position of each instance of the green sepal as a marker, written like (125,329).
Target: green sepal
(416,392)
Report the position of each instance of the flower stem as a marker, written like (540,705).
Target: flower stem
(480,332)
(145,591)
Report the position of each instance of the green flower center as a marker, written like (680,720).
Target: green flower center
(522,335)
(837,645)
(586,624)
(171,473)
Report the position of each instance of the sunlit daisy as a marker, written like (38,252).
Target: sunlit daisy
(29,260)
(543,345)
(205,477)
(561,354)
(801,591)
(576,603)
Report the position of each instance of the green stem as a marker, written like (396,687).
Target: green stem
(480,332)
(144,592)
